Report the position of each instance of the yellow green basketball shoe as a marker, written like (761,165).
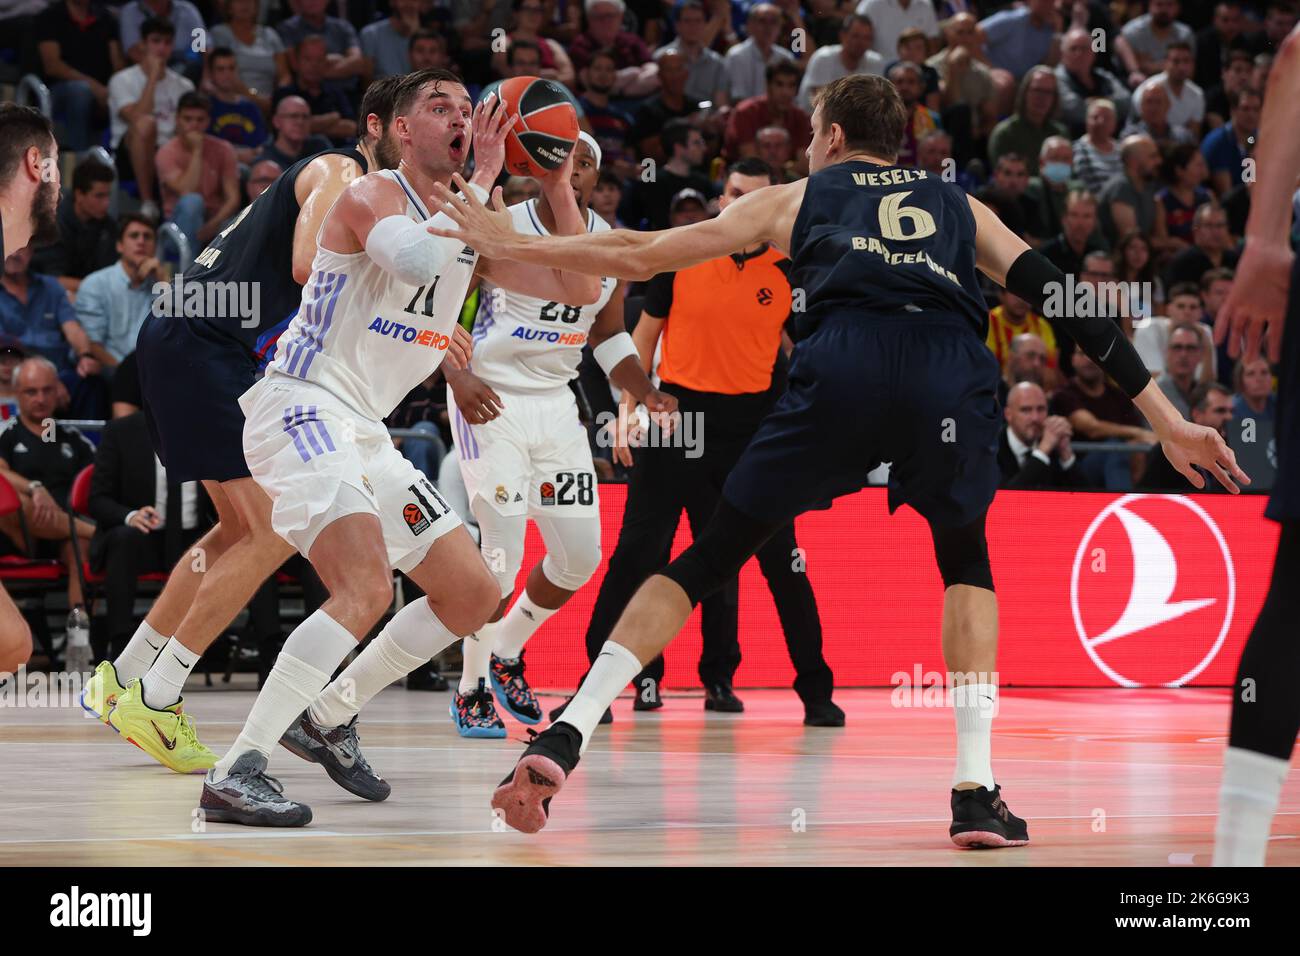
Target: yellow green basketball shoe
(101,691)
(166,735)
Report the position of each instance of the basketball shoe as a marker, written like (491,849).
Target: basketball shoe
(248,795)
(512,691)
(980,818)
(338,750)
(101,692)
(474,715)
(166,735)
(524,796)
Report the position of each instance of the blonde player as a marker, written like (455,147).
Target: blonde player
(524,454)
(377,317)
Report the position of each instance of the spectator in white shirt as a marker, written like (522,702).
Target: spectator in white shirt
(1142,42)
(1186,99)
(892,17)
(853,54)
(747,62)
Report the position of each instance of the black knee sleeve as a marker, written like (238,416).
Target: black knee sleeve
(728,540)
(963,555)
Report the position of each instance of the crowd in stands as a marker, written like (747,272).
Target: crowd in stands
(1116,137)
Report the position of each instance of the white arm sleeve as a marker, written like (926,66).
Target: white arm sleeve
(612,351)
(403,247)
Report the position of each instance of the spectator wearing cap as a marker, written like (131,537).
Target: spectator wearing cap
(707,77)
(1032,121)
(293,138)
(77,44)
(332,114)
(1099,411)
(1079,235)
(910,83)
(636,74)
(853,55)
(687,208)
(776,107)
(1227,148)
(1211,247)
(671,102)
(892,18)
(748,61)
(236,116)
(647,200)
(1186,99)
(114,302)
(142,103)
(1079,80)
(1210,404)
(1034,448)
(1128,201)
(182,15)
(259,51)
(199,174)
(87,232)
(343,62)
(1151,118)
(1143,41)
(1096,154)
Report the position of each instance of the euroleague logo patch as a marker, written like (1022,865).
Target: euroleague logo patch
(1152,590)
(547,492)
(415,518)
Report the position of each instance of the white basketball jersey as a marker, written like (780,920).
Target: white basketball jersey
(367,336)
(524,344)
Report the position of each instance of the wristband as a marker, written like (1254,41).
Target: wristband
(612,351)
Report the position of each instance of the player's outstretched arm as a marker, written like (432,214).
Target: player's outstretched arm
(1256,307)
(1006,259)
(760,216)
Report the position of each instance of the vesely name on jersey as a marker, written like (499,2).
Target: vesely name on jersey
(555,338)
(410,334)
(874,245)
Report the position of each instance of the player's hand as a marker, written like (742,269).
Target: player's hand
(625,431)
(477,402)
(559,178)
(1256,306)
(663,410)
(490,124)
(489,231)
(1187,445)
(461,348)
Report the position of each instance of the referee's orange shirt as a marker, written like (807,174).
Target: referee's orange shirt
(724,320)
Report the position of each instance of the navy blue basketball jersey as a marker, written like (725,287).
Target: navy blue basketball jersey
(242,285)
(884,240)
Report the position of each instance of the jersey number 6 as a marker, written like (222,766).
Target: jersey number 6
(893,214)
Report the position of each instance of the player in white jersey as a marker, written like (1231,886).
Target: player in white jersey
(377,317)
(524,454)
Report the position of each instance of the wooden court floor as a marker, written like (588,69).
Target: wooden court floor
(1104,777)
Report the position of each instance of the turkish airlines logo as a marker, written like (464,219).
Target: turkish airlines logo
(1152,590)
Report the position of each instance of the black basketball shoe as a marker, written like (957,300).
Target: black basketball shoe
(524,796)
(981,818)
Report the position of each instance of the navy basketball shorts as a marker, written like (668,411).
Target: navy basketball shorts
(1284,503)
(918,390)
(191,380)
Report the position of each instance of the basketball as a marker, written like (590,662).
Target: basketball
(545,129)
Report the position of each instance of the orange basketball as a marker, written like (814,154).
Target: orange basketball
(546,129)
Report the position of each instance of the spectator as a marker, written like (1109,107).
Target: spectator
(1210,248)
(11,355)
(344,63)
(388,42)
(610,125)
(41,460)
(186,21)
(934,155)
(520,189)
(1227,148)
(34,309)
(647,201)
(142,101)
(1254,398)
(1225,35)
(1096,154)
(1045,194)
(77,43)
(115,301)
(1279,21)
(236,118)
(891,17)
(910,83)
(1151,118)
(428,51)
(1098,411)
(475,22)
(1135,266)
(1186,99)
(1185,172)
(670,103)
(199,175)
(1143,41)
(529,17)
(1128,201)
(853,54)
(260,177)
(605,198)
(1182,355)
(687,208)
(1005,193)
(1151,337)
(1079,80)
(775,108)
(1211,405)
(1034,447)
(773,147)
(1026,362)
(1236,76)
(259,51)
(86,230)
(1018,39)
(293,137)
(825,20)
(1024,131)
(424,410)
(522,58)
(748,62)
(966,80)
(913,48)
(1078,236)
(1013,318)
(331,111)
(1215,286)
(636,72)
(144,521)
(707,81)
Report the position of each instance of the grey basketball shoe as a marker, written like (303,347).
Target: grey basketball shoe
(250,797)
(338,750)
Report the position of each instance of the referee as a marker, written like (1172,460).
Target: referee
(721,324)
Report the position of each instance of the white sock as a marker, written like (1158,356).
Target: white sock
(974,705)
(613,669)
(1248,798)
(139,654)
(519,624)
(477,650)
(302,670)
(412,637)
(161,686)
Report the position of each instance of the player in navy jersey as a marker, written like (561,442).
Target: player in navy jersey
(886,258)
(198,351)
(1265,701)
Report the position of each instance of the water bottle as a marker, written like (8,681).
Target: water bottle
(76,653)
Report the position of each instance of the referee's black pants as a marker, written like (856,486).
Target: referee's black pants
(664,482)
